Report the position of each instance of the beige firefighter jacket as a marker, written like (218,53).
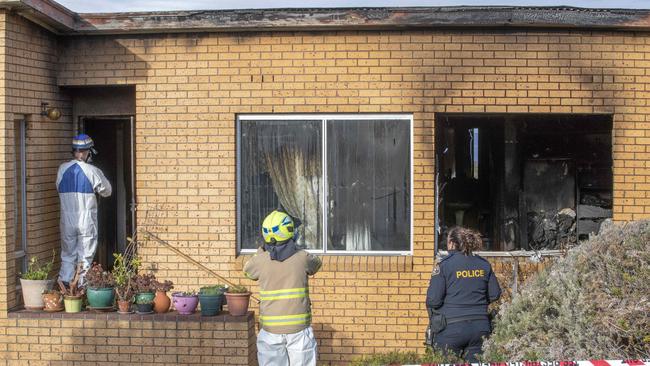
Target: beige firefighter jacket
(285,307)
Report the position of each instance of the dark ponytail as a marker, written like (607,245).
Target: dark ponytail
(467,240)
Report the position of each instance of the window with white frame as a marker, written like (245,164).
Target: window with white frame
(346,179)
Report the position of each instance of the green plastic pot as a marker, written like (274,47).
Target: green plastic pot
(144,297)
(100,297)
(211,304)
(73,304)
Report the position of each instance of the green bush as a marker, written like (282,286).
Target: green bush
(433,356)
(592,304)
(213,290)
(37,271)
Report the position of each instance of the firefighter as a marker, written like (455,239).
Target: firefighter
(461,288)
(77,183)
(282,269)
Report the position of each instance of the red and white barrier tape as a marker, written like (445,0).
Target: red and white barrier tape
(555,363)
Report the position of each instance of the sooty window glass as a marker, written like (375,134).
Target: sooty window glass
(368,176)
(359,203)
(280,167)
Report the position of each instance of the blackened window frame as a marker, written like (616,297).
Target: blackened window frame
(324,118)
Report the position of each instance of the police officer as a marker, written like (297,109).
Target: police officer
(462,285)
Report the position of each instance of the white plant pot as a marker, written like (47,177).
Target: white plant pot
(32,291)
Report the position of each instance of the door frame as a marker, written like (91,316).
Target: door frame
(80,128)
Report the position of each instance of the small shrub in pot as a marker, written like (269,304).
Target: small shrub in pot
(73,294)
(100,287)
(123,272)
(144,306)
(211,299)
(35,281)
(238,298)
(143,286)
(53,300)
(185,302)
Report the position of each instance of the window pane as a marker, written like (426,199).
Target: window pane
(19,146)
(280,166)
(368,167)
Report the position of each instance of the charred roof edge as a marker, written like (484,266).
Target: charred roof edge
(64,21)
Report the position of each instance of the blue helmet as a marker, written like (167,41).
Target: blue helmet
(82,142)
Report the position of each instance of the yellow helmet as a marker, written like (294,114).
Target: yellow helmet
(277,227)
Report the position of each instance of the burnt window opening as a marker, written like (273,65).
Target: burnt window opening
(529,182)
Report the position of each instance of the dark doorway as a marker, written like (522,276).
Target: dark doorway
(113,142)
(532,182)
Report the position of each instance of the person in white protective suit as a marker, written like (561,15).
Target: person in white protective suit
(77,183)
(282,269)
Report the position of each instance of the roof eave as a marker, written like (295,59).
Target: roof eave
(64,21)
(47,13)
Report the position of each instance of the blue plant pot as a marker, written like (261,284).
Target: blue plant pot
(211,305)
(100,297)
(144,297)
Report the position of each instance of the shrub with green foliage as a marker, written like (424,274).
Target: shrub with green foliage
(37,271)
(592,304)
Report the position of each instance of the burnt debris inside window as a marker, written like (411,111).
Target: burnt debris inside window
(366,183)
(531,182)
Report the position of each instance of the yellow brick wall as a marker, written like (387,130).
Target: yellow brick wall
(107,341)
(28,76)
(190,87)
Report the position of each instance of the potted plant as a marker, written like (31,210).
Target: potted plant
(238,298)
(123,272)
(211,299)
(185,302)
(144,305)
(53,300)
(34,282)
(143,287)
(73,294)
(100,287)
(161,301)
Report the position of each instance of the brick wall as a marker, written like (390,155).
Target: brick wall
(101,339)
(28,75)
(189,88)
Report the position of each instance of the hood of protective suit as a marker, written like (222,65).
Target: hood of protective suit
(282,251)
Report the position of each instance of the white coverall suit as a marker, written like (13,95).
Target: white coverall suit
(77,182)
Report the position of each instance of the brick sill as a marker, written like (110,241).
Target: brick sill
(172,316)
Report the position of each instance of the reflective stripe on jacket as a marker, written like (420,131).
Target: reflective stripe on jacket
(284,290)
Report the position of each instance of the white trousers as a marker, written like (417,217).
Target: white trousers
(295,349)
(78,245)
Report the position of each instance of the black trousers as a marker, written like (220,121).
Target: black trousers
(464,338)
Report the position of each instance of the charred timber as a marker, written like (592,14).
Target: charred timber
(364,18)
(63,21)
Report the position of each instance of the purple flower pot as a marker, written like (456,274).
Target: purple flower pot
(185,304)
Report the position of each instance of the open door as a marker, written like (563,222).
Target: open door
(114,142)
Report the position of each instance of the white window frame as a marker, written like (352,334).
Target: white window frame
(324,118)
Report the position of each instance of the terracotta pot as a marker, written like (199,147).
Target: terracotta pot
(238,303)
(53,302)
(161,302)
(124,306)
